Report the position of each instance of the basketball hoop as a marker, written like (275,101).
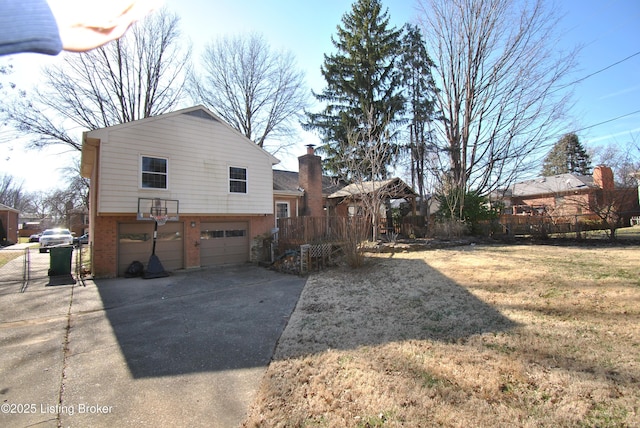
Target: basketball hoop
(160,219)
(159,213)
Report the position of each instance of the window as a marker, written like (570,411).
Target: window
(237,180)
(282,210)
(154,173)
(238,233)
(211,234)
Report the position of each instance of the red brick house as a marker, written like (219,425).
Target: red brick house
(569,195)
(8,225)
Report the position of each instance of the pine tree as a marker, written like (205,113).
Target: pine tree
(363,95)
(567,156)
(420,93)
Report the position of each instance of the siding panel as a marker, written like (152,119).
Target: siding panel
(200,152)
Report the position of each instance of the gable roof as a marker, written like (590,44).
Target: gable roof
(554,184)
(288,181)
(396,187)
(198,111)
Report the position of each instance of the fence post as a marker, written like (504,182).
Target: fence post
(26,267)
(304,258)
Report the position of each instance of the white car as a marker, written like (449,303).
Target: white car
(53,237)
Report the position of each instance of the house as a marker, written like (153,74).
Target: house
(308,193)
(568,195)
(8,225)
(348,200)
(303,193)
(78,220)
(214,185)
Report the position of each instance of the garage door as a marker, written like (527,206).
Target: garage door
(224,243)
(135,242)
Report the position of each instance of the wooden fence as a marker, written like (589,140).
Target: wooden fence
(295,231)
(542,225)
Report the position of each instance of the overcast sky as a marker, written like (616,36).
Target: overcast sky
(608,31)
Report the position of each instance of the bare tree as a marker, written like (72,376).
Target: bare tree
(259,92)
(499,85)
(623,158)
(366,158)
(140,75)
(12,193)
(77,186)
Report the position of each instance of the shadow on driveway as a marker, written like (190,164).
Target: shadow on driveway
(203,321)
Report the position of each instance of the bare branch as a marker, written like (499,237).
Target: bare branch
(499,80)
(259,92)
(140,75)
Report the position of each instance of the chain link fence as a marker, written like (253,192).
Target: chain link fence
(14,268)
(20,267)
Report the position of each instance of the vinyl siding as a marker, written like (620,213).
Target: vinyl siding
(199,153)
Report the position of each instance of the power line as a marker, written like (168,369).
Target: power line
(606,121)
(551,139)
(598,72)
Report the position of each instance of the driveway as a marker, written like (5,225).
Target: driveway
(186,350)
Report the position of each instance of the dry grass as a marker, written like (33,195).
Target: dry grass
(475,336)
(7,255)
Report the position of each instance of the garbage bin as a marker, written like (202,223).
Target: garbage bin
(60,260)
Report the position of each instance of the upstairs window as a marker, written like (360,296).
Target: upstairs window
(237,180)
(154,173)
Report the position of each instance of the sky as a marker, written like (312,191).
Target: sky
(606,103)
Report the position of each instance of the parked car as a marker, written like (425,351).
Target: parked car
(53,237)
(35,237)
(81,240)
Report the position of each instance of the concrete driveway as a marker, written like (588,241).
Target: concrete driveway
(186,350)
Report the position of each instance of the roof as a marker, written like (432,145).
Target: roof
(4,207)
(288,181)
(396,187)
(91,138)
(553,184)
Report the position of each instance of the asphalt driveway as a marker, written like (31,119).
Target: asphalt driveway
(186,350)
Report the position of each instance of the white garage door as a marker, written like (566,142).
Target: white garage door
(224,243)
(135,242)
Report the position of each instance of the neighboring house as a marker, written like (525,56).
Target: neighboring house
(568,195)
(8,225)
(30,224)
(222,182)
(78,221)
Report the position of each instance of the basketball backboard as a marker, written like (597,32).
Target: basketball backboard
(150,208)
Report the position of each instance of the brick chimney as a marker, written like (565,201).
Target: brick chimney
(603,177)
(310,179)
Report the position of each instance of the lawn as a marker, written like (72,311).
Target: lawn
(520,335)
(7,255)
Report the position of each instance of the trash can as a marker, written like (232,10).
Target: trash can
(60,260)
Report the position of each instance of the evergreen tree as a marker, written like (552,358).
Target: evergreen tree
(420,92)
(363,96)
(567,156)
